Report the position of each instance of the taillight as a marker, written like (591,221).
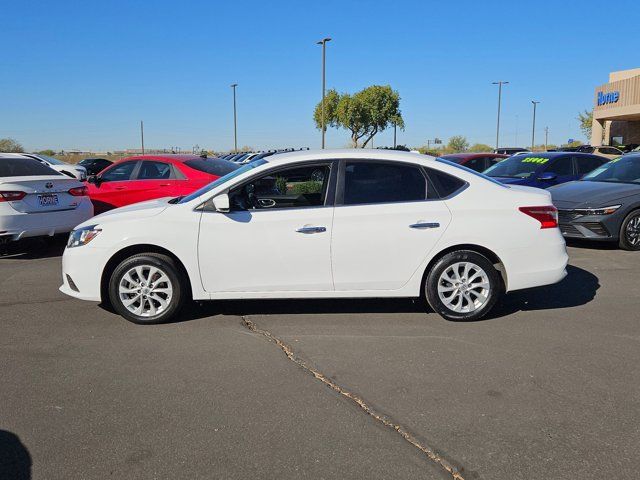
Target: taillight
(79,191)
(11,196)
(546,215)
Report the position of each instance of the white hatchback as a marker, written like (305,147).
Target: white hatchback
(38,201)
(322,224)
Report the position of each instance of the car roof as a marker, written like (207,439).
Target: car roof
(170,157)
(555,154)
(15,155)
(347,153)
(469,155)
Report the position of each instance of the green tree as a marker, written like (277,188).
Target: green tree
(479,147)
(586,119)
(458,143)
(9,145)
(48,152)
(364,113)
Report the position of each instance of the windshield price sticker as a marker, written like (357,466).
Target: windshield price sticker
(538,160)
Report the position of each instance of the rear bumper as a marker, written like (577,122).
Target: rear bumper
(16,225)
(543,264)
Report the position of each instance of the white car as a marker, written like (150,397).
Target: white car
(322,224)
(73,171)
(38,201)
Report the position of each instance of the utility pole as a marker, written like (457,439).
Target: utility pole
(323,42)
(499,83)
(546,138)
(142,135)
(533,128)
(235,119)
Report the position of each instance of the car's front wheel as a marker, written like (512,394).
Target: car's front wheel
(630,232)
(463,285)
(147,288)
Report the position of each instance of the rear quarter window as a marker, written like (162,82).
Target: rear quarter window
(24,167)
(212,166)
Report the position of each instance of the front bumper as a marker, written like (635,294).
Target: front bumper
(587,227)
(82,269)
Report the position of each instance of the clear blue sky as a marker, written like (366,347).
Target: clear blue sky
(82,74)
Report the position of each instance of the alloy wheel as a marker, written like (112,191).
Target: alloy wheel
(464,287)
(632,231)
(145,290)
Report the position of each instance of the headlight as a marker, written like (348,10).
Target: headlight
(597,211)
(82,236)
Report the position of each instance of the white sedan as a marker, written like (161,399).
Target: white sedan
(73,171)
(322,224)
(38,201)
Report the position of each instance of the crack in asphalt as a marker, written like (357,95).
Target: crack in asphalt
(399,429)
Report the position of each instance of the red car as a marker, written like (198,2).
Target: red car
(475,161)
(145,177)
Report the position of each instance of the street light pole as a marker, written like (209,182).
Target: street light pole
(546,138)
(499,83)
(235,119)
(323,42)
(142,135)
(533,128)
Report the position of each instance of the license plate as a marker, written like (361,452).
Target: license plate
(48,200)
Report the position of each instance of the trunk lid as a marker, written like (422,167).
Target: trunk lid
(46,193)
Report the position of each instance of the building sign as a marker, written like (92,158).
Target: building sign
(608,97)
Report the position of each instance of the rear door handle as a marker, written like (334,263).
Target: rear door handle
(311,229)
(420,225)
(120,188)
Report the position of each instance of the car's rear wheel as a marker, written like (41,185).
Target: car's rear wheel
(147,288)
(463,285)
(630,232)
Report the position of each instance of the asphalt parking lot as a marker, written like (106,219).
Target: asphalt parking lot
(545,388)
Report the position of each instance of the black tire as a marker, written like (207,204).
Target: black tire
(492,293)
(629,232)
(176,281)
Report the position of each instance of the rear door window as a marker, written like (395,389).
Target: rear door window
(381,182)
(24,167)
(150,170)
(587,164)
(561,166)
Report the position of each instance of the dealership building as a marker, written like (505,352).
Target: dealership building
(616,112)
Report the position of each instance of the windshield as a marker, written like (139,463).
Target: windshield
(518,166)
(221,180)
(619,170)
(466,169)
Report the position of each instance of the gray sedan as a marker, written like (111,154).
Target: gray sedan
(604,205)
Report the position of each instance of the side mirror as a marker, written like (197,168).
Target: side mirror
(92,179)
(221,203)
(547,177)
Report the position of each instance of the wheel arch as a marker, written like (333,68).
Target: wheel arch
(490,254)
(126,252)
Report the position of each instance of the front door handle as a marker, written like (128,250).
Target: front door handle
(120,188)
(311,229)
(425,225)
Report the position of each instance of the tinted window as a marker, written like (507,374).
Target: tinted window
(610,151)
(587,164)
(154,171)
(379,182)
(561,166)
(119,173)
(443,184)
(477,164)
(27,167)
(290,188)
(212,166)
